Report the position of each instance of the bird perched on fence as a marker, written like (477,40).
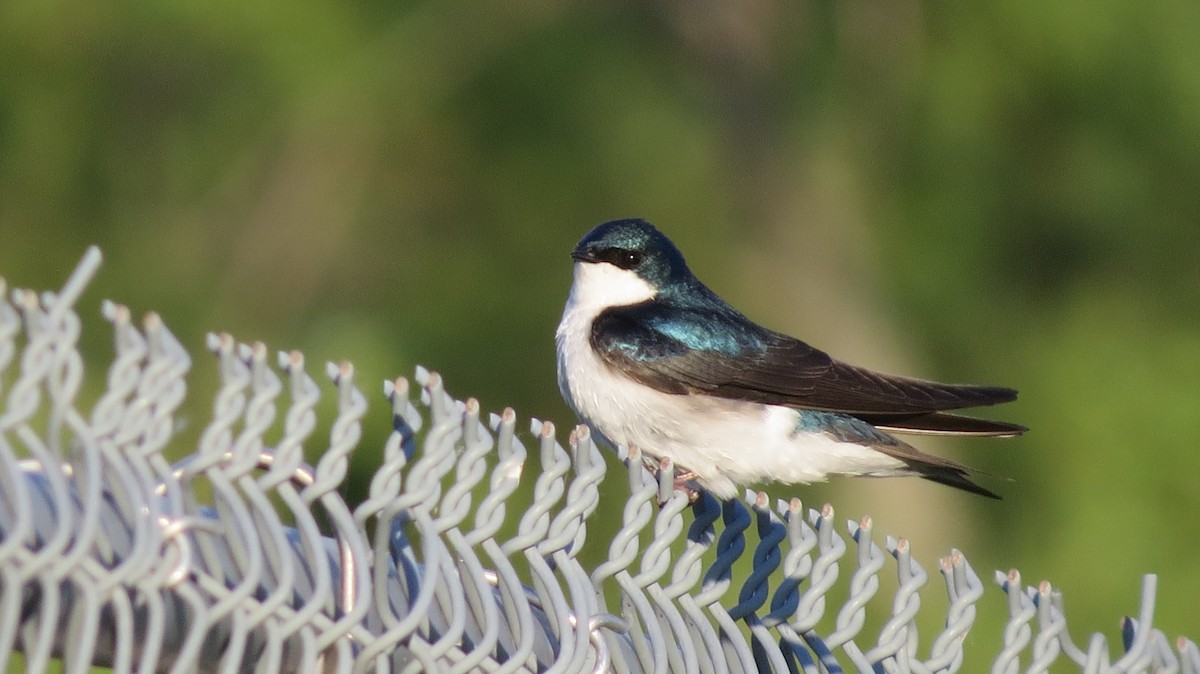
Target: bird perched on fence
(649,356)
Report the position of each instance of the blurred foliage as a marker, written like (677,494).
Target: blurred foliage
(1002,193)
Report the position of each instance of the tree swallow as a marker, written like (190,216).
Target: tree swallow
(649,356)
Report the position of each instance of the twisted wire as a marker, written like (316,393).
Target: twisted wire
(896,639)
(242,557)
(964,588)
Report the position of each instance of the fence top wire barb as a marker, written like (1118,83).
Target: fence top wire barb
(241,557)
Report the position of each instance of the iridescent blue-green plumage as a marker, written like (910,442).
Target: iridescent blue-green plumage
(685,340)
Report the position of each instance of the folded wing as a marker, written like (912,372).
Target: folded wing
(717,351)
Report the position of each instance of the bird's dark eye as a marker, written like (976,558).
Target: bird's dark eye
(621,257)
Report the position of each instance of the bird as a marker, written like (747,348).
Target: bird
(649,356)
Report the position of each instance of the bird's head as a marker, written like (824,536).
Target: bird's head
(634,260)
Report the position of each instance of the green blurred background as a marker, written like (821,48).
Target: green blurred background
(1002,193)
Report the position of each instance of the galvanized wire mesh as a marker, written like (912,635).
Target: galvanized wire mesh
(243,558)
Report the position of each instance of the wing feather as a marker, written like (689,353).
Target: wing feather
(717,351)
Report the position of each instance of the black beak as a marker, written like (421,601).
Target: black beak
(583,255)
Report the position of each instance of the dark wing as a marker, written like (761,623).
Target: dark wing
(718,352)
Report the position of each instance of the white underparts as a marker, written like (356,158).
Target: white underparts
(727,443)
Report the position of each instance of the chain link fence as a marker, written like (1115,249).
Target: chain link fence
(242,558)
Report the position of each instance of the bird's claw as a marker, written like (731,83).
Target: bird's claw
(684,482)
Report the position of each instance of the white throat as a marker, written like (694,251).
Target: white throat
(599,286)
(581,373)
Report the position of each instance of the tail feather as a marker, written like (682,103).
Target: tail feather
(931,467)
(954,477)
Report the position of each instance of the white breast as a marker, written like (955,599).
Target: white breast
(725,442)
(591,388)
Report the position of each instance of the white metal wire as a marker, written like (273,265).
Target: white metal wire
(241,558)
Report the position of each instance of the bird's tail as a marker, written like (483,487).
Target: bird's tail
(931,467)
(955,476)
